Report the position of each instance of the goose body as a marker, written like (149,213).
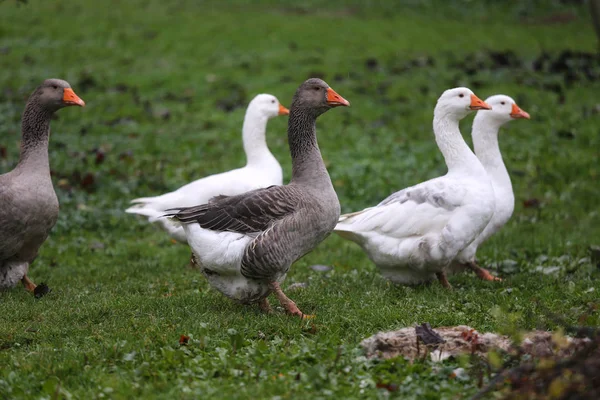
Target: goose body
(245,244)
(28,202)
(262,170)
(243,266)
(485,142)
(415,233)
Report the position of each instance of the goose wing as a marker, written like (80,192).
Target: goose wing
(250,212)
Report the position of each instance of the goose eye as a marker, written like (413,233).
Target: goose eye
(461,95)
(317,88)
(54,87)
(503,102)
(272,101)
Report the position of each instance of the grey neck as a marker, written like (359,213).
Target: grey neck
(35,133)
(458,156)
(307,164)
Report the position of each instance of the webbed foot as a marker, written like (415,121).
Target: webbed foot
(289,306)
(482,273)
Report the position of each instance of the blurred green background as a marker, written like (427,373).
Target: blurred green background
(166,84)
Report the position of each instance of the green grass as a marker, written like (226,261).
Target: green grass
(121,293)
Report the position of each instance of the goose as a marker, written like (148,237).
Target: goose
(262,169)
(485,142)
(245,244)
(414,234)
(28,203)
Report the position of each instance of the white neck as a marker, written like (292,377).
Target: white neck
(485,142)
(253,135)
(458,156)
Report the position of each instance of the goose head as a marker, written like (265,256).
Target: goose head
(54,94)
(267,105)
(459,102)
(316,95)
(504,109)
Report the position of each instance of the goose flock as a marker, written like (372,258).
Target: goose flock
(246,228)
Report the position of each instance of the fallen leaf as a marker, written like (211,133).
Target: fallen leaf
(100,156)
(87,182)
(126,156)
(390,387)
(566,134)
(372,64)
(531,203)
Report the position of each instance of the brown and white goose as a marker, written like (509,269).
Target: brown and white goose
(28,203)
(245,244)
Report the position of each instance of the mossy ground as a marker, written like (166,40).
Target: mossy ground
(166,84)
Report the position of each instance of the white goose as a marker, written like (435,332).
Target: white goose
(262,170)
(414,234)
(485,142)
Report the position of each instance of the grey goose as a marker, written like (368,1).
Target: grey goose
(245,244)
(28,203)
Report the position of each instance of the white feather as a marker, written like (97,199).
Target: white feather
(418,231)
(261,170)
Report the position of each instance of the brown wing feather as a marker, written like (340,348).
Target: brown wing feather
(270,253)
(254,211)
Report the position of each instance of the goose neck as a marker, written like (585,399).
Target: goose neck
(485,140)
(487,149)
(456,152)
(307,163)
(35,134)
(254,137)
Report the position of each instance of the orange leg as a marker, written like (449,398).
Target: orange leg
(264,305)
(482,273)
(443,279)
(285,301)
(29,285)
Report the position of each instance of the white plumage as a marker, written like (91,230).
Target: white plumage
(415,233)
(262,170)
(485,142)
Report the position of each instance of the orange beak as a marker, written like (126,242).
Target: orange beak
(283,110)
(478,104)
(70,98)
(516,112)
(335,100)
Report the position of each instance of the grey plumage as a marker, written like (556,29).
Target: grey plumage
(249,212)
(28,203)
(284,222)
(439,195)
